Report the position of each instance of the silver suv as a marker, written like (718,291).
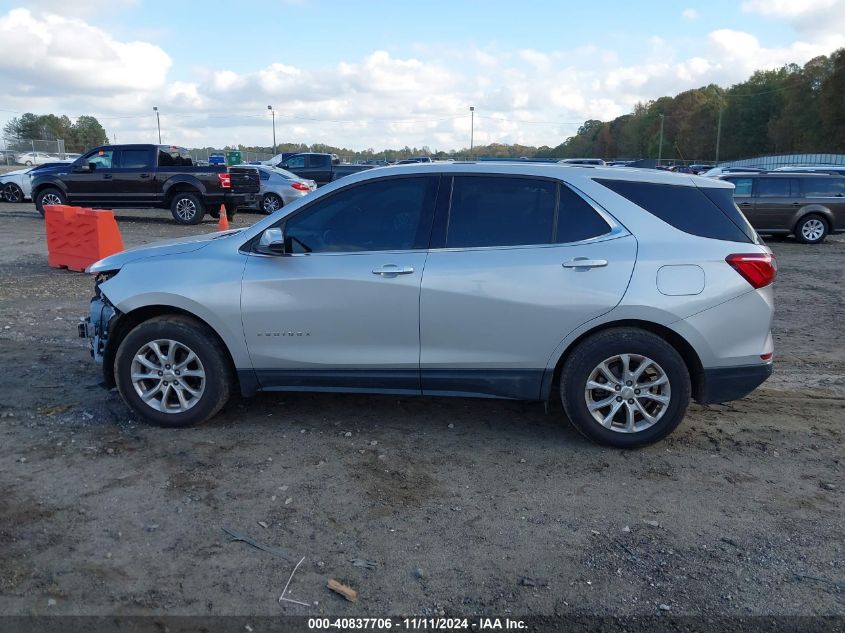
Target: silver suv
(623,292)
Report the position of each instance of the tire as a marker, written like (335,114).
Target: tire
(667,401)
(231,211)
(50,195)
(811,229)
(204,392)
(187,208)
(28,163)
(11,193)
(270,203)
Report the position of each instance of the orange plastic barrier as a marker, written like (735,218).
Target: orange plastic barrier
(76,237)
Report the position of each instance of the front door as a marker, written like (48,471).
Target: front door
(340,310)
(92,177)
(516,265)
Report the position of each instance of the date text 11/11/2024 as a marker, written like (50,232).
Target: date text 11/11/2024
(414,624)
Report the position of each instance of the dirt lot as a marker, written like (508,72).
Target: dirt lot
(465,506)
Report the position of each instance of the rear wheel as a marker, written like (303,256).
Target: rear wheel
(187,208)
(271,203)
(625,387)
(11,193)
(49,196)
(811,229)
(172,371)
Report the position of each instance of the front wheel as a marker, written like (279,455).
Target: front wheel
(187,208)
(47,197)
(172,371)
(625,387)
(811,229)
(11,193)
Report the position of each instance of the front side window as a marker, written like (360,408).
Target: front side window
(385,215)
(102,159)
(742,187)
(773,187)
(497,211)
(823,187)
(297,162)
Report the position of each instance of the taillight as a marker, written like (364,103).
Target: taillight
(225,180)
(758,269)
(301,186)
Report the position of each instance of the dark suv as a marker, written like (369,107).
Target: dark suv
(806,205)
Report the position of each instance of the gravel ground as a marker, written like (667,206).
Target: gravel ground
(465,506)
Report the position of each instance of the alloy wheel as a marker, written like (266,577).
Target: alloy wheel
(812,230)
(168,376)
(186,209)
(51,198)
(12,193)
(627,393)
(271,204)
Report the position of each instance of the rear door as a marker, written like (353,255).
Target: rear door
(775,202)
(132,176)
(318,167)
(503,286)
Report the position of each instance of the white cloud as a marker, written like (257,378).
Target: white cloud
(690,14)
(787,8)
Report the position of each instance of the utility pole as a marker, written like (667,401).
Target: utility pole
(660,147)
(471,129)
(718,134)
(273,112)
(158,122)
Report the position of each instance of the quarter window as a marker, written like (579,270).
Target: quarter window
(823,187)
(390,214)
(496,211)
(577,220)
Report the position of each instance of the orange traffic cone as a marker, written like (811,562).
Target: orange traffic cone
(223,223)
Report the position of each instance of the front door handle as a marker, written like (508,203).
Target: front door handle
(144,175)
(107,176)
(583,262)
(391,270)
(744,204)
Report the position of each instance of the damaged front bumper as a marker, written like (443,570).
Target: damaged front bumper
(97,325)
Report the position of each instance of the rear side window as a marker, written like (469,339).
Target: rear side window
(317,161)
(134,158)
(776,188)
(496,211)
(823,187)
(577,220)
(687,208)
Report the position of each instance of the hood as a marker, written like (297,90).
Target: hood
(16,172)
(157,249)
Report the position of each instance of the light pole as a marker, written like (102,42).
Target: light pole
(660,147)
(471,128)
(158,122)
(273,112)
(718,134)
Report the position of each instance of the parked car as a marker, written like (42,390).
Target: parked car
(582,161)
(16,186)
(808,205)
(321,168)
(830,169)
(278,188)
(715,172)
(411,161)
(607,288)
(159,176)
(35,158)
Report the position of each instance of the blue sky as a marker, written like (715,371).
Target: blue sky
(377,74)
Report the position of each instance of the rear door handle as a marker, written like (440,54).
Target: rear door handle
(107,176)
(583,262)
(144,175)
(391,270)
(744,204)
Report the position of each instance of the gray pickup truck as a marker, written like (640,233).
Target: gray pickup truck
(145,176)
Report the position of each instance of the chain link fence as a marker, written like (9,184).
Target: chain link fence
(32,151)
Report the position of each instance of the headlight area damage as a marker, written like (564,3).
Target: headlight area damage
(98,324)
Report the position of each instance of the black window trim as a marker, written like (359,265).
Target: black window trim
(437,243)
(249,247)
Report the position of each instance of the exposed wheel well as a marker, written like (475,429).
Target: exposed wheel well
(691,359)
(127,322)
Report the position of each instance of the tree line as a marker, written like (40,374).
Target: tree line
(792,109)
(78,135)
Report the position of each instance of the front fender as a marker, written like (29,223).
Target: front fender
(42,182)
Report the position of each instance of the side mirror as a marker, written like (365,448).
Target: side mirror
(272,242)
